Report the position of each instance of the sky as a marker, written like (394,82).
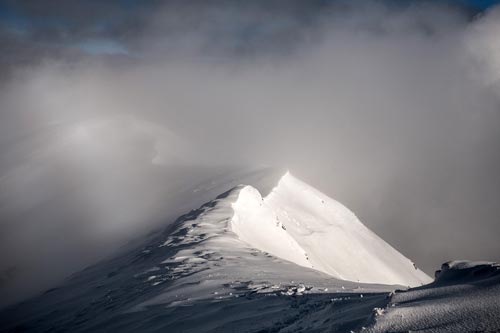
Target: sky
(109,107)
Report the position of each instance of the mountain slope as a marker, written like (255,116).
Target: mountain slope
(213,270)
(298,223)
(197,275)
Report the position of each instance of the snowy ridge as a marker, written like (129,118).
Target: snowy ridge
(239,238)
(300,224)
(213,270)
(198,276)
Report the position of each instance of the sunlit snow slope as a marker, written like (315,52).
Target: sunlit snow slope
(299,223)
(241,263)
(197,275)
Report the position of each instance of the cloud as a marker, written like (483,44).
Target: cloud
(481,41)
(96,47)
(390,108)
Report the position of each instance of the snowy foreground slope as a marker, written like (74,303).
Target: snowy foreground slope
(288,262)
(465,297)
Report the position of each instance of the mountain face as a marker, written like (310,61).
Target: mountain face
(298,223)
(292,261)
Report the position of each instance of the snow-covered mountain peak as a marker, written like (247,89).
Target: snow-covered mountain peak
(300,224)
(247,263)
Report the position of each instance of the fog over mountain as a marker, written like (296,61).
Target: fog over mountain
(108,112)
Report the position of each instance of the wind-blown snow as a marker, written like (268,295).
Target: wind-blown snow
(464,298)
(299,223)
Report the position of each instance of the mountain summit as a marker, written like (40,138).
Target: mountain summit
(294,260)
(300,224)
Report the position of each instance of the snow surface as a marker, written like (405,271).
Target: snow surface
(464,298)
(198,276)
(213,260)
(214,270)
(299,223)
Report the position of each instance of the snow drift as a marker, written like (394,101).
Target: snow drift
(465,297)
(299,223)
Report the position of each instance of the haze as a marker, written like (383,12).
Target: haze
(392,108)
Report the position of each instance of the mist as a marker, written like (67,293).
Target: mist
(392,109)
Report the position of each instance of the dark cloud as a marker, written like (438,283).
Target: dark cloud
(33,30)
